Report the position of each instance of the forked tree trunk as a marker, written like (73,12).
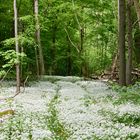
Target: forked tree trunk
(17,48)
(121,43)
(130,44)
(38,40)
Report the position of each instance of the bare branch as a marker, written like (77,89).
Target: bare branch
(24,84)
(71,40)
(6,74)
(135,23)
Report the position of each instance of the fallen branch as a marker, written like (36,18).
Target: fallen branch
(6,112)
(24,84)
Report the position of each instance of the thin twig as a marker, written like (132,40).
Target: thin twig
(17,92)
(135,23)
(8,98)
(6,74)
(71,40)
(24,84)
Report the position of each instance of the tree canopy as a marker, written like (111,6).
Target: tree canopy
(66,37)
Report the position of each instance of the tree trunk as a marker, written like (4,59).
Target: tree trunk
(36,47)
(38,40)
(53,49)
(81,51)
(37,63)
(114,66)
(69,61)
(121,43)
(17,48)
(130,44)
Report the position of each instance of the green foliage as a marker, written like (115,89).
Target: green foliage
(89,100)
(60,24)
(133,97)
(2,73)
(17,126)
(13,58)
(126,94)
(53,123)
(128,119)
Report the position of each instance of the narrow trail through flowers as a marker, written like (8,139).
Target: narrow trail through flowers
(68,108)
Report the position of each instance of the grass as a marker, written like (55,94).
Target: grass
(126,94)
(56,127)
(89,100)
(132,97)
(16,126)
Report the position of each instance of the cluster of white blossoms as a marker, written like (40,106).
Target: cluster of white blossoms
(83,117)
(30,108)
(90,122)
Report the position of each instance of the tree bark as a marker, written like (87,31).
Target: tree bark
(53,49)
(81,51)
(38,40)
(130,44)
(37,63)
(114,66)
(69,61)
(17,48)
(121,42)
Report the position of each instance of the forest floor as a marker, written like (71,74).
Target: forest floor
(67,108)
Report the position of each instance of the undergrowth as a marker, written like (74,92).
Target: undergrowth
(55,126)
(126,94)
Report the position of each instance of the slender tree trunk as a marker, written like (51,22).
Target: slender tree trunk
(114,66)
(17,48)
(130,44)
(53,49)
(21,67)
(36,47)
(102,56)
(105,54)
(84,68)
(69,61)
(41,58)
(37,63)
(81,50)
(121,43)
